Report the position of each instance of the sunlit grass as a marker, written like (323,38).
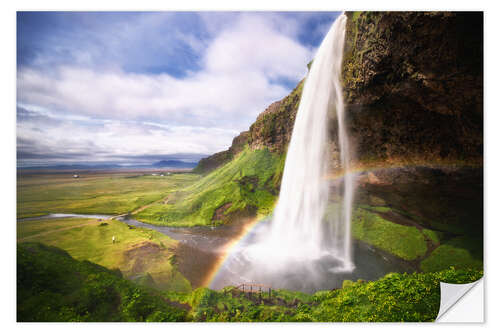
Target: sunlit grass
(248,183)
(88,239)
(92,193)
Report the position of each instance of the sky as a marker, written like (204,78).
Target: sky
(139,87)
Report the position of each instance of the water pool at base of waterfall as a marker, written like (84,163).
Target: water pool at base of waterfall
(322,273)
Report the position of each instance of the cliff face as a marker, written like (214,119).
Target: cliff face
(414,86)
(413,89)
(214,161)
(272,130)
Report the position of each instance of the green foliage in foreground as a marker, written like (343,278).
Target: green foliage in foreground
(395,297)
(406,242)
(245,186)
(460,252)
(52,286)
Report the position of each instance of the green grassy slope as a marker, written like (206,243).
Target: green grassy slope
(245,186)
(137,252)
(406,242)
(431,250)
(52,286)
(459,252)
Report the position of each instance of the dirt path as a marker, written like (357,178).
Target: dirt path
(57,230)
(140,209)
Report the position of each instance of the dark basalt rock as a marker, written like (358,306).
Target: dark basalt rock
(414,85)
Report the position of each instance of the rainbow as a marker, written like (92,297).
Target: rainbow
(250,226)
(228,249)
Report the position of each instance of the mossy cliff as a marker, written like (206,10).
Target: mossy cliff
(413,89)
(413,86)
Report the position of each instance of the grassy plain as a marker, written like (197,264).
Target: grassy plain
(93,193)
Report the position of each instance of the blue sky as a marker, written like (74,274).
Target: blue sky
(132,87)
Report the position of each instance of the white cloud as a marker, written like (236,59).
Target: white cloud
(104,139)
(203,111)
(255,45)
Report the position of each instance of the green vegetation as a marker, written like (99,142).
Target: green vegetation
(137,252)
(406,242)
(52,286)
(434,236)
(433,250)
(243,187)
(268,125)
(459,252)
(40,194)
(395,297)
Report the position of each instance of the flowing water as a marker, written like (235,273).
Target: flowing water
(302,240)
(307,244)
(298,229)
(202,249)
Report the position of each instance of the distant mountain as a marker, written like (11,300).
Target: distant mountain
(174,164)
(74,167)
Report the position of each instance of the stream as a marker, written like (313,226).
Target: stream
(207,256)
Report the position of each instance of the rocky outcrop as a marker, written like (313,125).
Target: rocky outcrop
(413,86)
(272,130)
(273,127)
(214,161)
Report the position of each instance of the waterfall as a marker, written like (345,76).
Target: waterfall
(299,222)
(309,237)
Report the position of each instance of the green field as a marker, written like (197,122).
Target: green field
(246,186)
(139,253)
(93,193)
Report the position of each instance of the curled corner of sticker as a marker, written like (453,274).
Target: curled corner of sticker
(451,297)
